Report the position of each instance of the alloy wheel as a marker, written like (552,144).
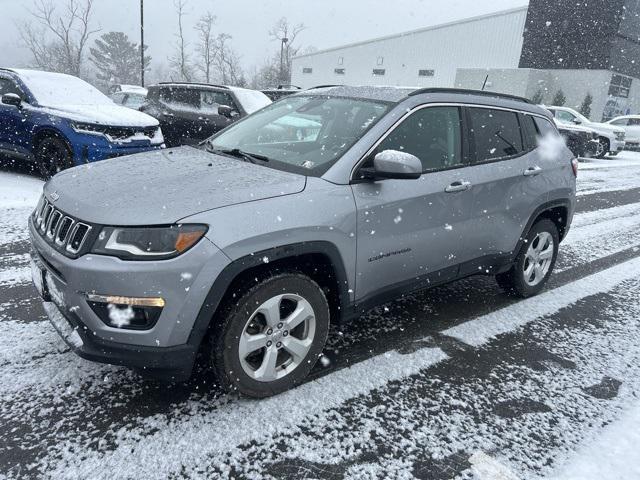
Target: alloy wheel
(538,258)
(277,337)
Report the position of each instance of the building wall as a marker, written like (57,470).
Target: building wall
(489,41)
(575,85)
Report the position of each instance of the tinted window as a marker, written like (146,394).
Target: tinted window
(634,122)
(529,132)
(496,133)
(545,127)
(181,97)
(211,100)
(432,135)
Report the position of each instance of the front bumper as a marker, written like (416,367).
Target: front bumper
(93,153)
(168,347)
(617,145)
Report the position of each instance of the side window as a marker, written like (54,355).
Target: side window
(529,132)
(180,98)
(118,98)
(8,86)
(565,117)
(211,100)
(623,122)
(496,134)
(634,122)
(432,134)
(545,127)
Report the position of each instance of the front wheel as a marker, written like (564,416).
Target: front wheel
(52,155)
(270,338)
(534,263)
(603,147)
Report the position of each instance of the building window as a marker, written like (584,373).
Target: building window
(307,70)
(340,60)
(339,71)
(380,61)
(426,73)
(379,71)
(620,86)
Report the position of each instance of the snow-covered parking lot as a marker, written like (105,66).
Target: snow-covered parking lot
(457,382)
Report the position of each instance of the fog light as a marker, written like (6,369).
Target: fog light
(129,313)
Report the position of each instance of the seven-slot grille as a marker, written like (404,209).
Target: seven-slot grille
(64,232)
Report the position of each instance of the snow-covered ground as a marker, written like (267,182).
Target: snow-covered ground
(458,382)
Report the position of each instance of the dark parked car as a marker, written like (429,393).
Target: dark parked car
(191,112)
(280,92)
(582,141)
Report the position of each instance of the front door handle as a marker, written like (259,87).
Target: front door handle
(459,186)
(532,171)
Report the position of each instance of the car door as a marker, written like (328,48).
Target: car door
(633,130)
(211,101)
(413,231)
(13,134)
(509,182)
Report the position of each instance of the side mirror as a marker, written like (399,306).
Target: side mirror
(577,121)
(395,164)
(227,111)
(12,99)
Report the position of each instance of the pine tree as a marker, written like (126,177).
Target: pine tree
(585,108)
(559,99)
(538,97)
(117,59)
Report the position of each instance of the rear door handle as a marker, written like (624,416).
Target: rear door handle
(532,171)
(460,186)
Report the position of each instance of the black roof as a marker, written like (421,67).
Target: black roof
(192,84)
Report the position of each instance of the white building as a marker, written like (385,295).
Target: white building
(538,52)
(428,57)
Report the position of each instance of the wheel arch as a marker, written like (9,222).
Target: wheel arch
(320,260)
(48,131)
(558,211)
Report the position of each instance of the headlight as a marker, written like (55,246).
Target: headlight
(88,128)
(148,243)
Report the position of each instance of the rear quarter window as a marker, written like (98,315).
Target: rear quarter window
(545,127)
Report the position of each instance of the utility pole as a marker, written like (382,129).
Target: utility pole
(142,42)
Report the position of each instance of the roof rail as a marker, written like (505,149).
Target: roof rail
(483,93)
(324,86)
(197,84)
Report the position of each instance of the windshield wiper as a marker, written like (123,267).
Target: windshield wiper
(236,152)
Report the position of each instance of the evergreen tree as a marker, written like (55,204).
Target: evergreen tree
(538,97)
(559,99)
(117,59)
(585,108)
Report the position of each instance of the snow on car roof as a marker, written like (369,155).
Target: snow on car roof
(53,89)
(383,93)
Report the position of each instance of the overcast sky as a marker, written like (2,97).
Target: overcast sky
(329,23)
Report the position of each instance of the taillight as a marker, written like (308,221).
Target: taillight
(574,166)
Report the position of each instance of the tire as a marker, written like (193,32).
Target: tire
(603,148)
(253,351)
(517,281)
(52,155)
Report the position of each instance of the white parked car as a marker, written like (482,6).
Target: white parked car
(611,138)
(631,125)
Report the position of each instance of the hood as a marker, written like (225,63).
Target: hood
(604,127)
(106,114)
(162,187)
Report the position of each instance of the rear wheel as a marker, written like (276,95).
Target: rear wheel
(269,340)
(534,263)
(52,155)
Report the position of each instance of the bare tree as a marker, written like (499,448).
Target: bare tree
(181,62)
(206,47)
(286,34)
(57,41)
(227,62)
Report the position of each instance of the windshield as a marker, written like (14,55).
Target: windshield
(252,100)
(303,134)
(52,89)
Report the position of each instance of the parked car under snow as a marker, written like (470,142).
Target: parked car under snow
(57,121)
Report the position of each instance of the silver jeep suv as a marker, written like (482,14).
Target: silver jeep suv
(310,211)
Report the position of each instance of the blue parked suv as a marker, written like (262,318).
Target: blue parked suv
(58,121)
